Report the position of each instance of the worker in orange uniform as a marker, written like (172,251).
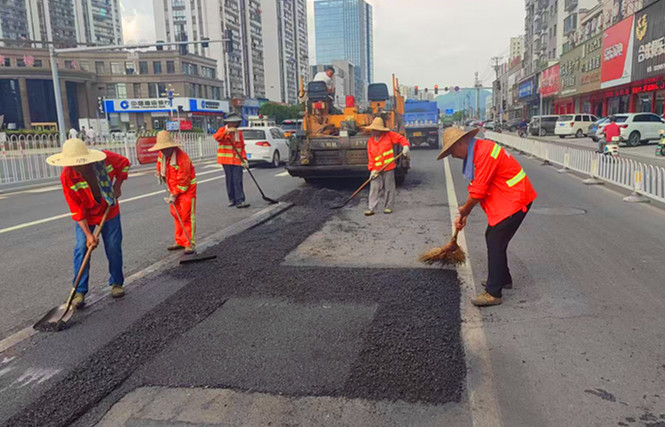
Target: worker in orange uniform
(92,181)
(175,169)
(505,193)
(380,152)
(232,156)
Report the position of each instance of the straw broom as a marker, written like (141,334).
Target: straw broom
(451,254)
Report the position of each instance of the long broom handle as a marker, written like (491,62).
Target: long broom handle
(182,224)
(355,193)
(252,175)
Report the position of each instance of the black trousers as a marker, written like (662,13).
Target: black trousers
(497,238)
(234,183)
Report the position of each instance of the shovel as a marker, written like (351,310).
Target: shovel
(56,318)
(267,199)
(355,193)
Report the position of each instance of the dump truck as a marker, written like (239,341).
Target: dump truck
(421,119)
(332,144)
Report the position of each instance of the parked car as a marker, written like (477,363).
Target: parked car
(512,124)
(596,128)
(574,124)
(265,144)
(490,125)
(542,125)
(639,128)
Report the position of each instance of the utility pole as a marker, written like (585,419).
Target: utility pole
(497,67)
(55,74)
(478,86)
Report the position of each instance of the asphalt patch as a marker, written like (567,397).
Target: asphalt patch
(412,349)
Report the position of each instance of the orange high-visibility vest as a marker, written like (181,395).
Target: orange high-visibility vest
(226,155)
(181,177)
(499,182)
(382,152)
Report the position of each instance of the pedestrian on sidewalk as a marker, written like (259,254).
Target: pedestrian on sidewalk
(610,130)
(73,133)
(381,152)
(504,192)
(230,144)
(92,181)
(176,170)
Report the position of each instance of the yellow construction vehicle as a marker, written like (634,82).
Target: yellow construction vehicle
(333,144)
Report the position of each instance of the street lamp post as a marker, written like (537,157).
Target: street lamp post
(54,72)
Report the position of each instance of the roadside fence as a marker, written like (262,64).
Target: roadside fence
(23,157)
(640,178)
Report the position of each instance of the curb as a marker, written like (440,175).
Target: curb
(98,294)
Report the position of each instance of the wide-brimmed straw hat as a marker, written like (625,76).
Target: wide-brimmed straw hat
(233,117)
(75,153)
(164,141)
(451,136)
(377,124)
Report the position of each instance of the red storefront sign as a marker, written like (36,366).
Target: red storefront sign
(185,125)
(144,156)
(549,81)
(617,56)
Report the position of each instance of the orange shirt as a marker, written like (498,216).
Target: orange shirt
(499,182)
(226,155)
(181,176)
(382,152)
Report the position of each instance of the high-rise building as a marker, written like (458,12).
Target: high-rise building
(285,47)
(243,68)
(344,30)
(516,47)
(95,22)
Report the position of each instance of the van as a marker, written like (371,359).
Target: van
(542,125)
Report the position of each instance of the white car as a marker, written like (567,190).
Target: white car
(265,144)
(639,128)
(573,124)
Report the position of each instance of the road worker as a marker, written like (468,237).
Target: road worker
(176,170)
(92,181)
(232,156)
(499,184)
(380,152)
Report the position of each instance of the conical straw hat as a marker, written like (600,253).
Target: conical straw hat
(451,136)
(377,124)
(164,140)
(75,153)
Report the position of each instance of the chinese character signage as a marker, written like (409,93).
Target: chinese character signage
(580,68)
(649,50)
(549,81)
(526,89)
(617,54)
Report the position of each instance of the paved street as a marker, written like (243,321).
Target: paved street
(322,317)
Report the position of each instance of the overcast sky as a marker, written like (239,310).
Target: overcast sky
(424,42)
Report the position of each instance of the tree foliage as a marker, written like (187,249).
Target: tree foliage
(280,112)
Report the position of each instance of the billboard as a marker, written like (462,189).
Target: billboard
(549,81)
(579,68)
(649,51)
(526,88)
(617,54)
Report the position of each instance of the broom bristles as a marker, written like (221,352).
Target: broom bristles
(443,256)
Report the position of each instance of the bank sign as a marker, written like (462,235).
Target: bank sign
(164,105)
(649,50)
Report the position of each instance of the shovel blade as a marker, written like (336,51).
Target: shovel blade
(196,258)
(55,319)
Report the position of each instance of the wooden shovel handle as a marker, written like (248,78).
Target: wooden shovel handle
(88,253)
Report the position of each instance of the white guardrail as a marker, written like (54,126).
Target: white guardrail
(23,158)
(641,178)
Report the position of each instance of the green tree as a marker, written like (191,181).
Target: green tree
(280,112)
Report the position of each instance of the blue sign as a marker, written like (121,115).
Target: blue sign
(124,105)
(525,89)
(449,111)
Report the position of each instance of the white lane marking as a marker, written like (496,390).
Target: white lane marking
(285,173)
(3,197)
(214,166)
(4,371)
(44,189)
(33,375)
(122,201)
(483,403)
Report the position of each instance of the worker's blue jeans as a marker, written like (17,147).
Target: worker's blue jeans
(234,183)
(112,237)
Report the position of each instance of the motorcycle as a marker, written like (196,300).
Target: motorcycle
(612,148)
(660,148)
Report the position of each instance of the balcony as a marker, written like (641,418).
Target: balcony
(570,5)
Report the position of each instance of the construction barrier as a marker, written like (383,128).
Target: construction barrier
(640,178)
(23,157)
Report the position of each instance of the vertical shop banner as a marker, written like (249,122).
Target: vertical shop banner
(549,81)
(589,79)
(649,51)
(617,58)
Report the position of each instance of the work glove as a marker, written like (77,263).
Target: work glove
(245,164)
(374,174)
(171,199)
(406,150)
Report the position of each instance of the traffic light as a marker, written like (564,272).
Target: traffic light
(229,41)
(415,90)
(205,42)
(436,89)
(100,104)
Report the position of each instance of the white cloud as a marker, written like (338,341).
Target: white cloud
(138,22)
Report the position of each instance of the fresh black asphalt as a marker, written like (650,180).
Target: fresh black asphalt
(390,334)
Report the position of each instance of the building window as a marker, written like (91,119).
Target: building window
(99,67)
(152,90)
(20,62)
(116,68)
(6,63)
(157,67)
(137,90)
(143,67)
(170,67)
(190,69)
(121,88)
(215,93)
(110,91)
(38,63)
(130,68)
(85,66)
(69,65)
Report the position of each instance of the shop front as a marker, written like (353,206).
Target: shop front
(528,96)
(550,85)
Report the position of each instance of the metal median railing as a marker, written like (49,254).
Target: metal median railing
(23,157)
(641,178)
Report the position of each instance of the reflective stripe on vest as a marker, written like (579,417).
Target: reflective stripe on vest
(225,155)
(390,160)
(496,150)
(516,179)
(125,169)
(79,186)
(109,168)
